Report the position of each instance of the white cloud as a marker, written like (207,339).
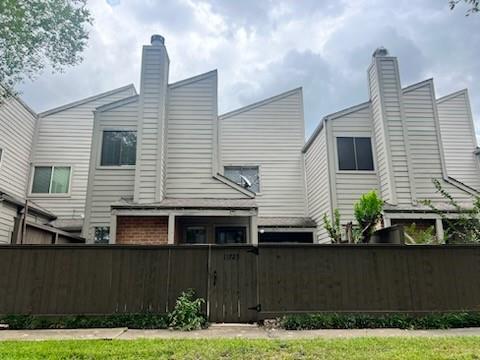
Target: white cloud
(264,47)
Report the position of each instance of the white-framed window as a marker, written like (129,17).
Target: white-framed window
(102,235)
(51,179)
(119,148)
(195,235)
(355,153)
(246,176)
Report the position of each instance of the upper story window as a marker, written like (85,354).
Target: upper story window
(354,153)
(118,148)
(51,180)
(246,176)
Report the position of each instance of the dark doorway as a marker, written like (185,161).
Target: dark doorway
(286,237)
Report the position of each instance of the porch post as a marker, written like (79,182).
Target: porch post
(171,229)
(113,228)
(439,229)
(254,230)
(386,221)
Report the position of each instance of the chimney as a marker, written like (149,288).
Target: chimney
(149,169)
(391,140)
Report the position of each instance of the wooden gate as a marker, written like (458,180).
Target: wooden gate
(233,284)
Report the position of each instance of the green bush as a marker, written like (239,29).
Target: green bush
(365,321)
(187,314)
(333,227)
(132,321)
(368,212)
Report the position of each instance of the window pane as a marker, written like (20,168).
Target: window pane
(196,235)
(363,147)
(230,235)
(110,148)
(346,153)
(41,180)
(60,180)
(128,148)
(233,173)
(102,235)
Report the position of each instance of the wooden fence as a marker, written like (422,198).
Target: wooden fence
(240,283)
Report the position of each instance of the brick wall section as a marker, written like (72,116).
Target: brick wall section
(142,230)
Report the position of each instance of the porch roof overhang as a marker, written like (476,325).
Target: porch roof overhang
(187,207)
(420,212)
(286,222)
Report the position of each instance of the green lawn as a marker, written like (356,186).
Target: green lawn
(359,348)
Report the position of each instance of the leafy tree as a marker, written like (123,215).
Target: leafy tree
(39,33)
(333,227)
(473,4)
(465,226)
(368,212)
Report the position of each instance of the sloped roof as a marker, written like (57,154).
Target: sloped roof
(300,222)
(172,203)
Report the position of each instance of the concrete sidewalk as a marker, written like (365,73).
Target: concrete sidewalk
(228,331)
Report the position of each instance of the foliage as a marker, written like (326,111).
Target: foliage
(187,313)
(333,227)
(368,212)
(365,321)
(421,236)
(132,321)
(465,227)
(40,33)
(474,5)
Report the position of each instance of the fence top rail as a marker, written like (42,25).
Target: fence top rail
(234,246)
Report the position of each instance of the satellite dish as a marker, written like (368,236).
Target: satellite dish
(247,182)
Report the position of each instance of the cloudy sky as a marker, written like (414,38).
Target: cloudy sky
(262,48)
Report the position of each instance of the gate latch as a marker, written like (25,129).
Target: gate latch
(257,308)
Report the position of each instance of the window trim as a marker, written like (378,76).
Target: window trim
(100,145)
(354,135)
(260,186)
(50,195)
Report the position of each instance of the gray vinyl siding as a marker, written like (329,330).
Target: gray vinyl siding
(8,212)
(17,128)
(424,146)
(192,117)
(350,185)
(151,125)
(318,185)
(458,137)
(270,136)
(64,138)
(382,147)
(108,185)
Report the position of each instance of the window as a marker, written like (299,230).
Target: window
(102,235)
(238,174)
(230,235)
(118,148)
(196,235)
(354,153)
(51,180)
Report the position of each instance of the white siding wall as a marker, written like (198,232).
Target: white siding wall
(192,117)
(65,138)
(458,137)
(151,124)
(8,212)
(17,128)
(108,185)
(350,185)
(318,184)
(270,136)
(387,108)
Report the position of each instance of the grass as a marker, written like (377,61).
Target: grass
(358,348)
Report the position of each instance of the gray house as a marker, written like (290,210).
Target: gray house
(395,143)
(163,167)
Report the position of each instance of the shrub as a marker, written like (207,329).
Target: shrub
(132,321)
(366,321)
(421,236)
(187,314)
(368,212)
(333,227)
